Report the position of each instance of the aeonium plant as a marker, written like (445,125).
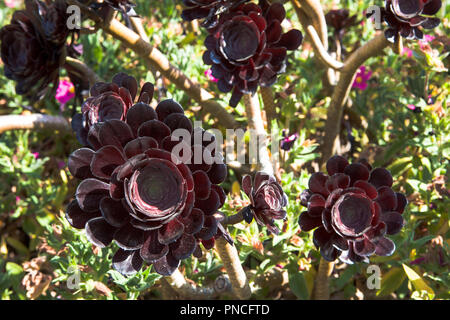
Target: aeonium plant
(267,200)
(246,46)
(352,209)
(157,205)
(407,17)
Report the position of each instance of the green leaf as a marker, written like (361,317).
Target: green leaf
(13,269)
(16,244)
(298,285)
(391,281)
(417,281)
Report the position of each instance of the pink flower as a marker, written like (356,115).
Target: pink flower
(17,200)
(13,3)
(407,52)
(424,42)
(361,78)
(35,154)
(65,92)
(208,74)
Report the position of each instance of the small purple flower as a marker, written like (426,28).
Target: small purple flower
(361,79)
(35,154)
(288,141)
(61,164)
(208,74)
(64,93)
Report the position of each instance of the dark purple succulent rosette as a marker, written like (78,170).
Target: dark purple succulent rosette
(137,192)
(405,17)
(352,209)
(109,101)
(248,48)
(267,200)
(32,47)
(208,10)
(340,20)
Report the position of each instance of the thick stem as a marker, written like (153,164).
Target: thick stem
(269,105)
(155,58)
(82,69)
(230,258)
(314,10)
(322,282)
(33,122)
(255,123)
(189,290)
(334,115)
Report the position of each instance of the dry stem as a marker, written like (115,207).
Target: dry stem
(33,122)
(230,258)
(321,287)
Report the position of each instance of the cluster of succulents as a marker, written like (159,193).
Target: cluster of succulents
(352,209)
(405,17)
(33,46)
(156,206)
(246,47)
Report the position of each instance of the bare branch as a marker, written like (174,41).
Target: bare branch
(230,258)
(187,289)
(333,123)
(33,122)
(321,286)
(255,122)
(81,68)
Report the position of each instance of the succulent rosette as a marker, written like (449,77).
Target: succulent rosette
(109,101)
(352,209)
(138,190)
(267,200)
(340,20)
(248,48)
(405,17)
(32,46)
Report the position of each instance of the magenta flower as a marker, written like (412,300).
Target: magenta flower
(35,154)
(361,78)
(424,42)
(61,164)
(208,74)
(407,52)
(64,93)
(288,141)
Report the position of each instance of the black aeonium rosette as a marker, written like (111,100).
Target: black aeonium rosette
(407,17)
(352,209)
(267,200)
(247,48)
(33,46)
(154,204)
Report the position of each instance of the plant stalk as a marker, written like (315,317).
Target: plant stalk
(322,282)
(230,258)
